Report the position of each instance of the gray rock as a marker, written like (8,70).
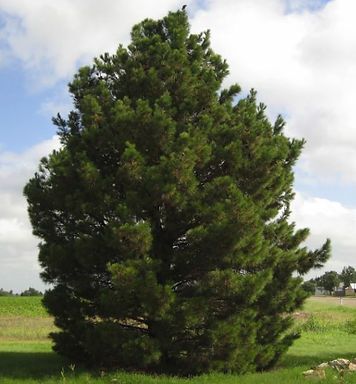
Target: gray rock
(314,374)
(339,364)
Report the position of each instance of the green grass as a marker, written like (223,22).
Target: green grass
(22,306)
(25,328)
(328,332)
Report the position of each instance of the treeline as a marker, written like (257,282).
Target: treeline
(27,292)
(331,279)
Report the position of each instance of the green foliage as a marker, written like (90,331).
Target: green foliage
(31,292)
(348,275)
(329,280)
(164,216)
(309,287)
(6,293)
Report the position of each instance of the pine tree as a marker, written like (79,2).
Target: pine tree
(164,215)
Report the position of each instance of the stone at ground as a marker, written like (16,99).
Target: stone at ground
(314,374)
(339,364)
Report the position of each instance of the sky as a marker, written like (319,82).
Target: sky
(300,55)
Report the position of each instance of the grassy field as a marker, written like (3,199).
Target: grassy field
(328,332)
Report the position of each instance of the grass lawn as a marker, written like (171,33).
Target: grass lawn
(328,332)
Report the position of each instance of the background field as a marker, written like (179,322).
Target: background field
(328,331)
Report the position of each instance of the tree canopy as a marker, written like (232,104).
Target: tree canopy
(163,217)
(31,292)
(348,275)
(329,280)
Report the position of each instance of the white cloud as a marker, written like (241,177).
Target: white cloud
(52,38)
(59,103)
(18,252)
(327,219)
(302,63)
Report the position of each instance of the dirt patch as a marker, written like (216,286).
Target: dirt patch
(301,315)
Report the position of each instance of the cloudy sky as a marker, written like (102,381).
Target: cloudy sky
(300,55)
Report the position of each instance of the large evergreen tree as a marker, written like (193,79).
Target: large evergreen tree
(164,215)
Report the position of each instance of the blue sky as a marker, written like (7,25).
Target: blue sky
(292,6)
(300,55)
(23,122)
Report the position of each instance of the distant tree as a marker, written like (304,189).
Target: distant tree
(164,217)
(6,293)
(348,275)
(329,280)
(309,286)
(31,292)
